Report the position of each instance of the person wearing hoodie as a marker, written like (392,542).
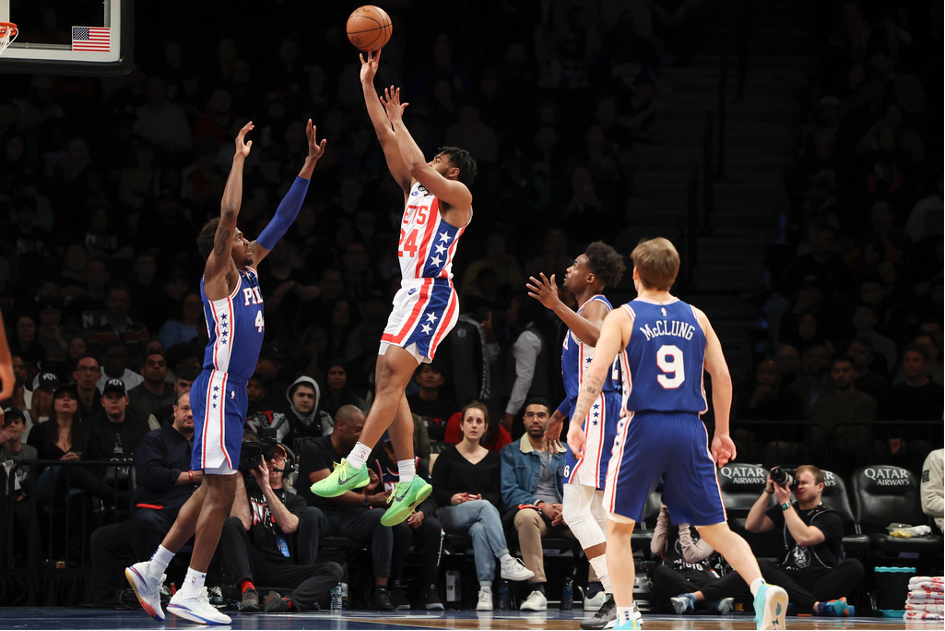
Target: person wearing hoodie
(304,417)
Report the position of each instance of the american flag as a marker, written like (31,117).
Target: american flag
(94,38)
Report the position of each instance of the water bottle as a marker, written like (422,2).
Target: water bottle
(344,596)
(503,595)
(567,594)
(336,600)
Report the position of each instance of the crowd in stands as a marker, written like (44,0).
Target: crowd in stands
(104,184)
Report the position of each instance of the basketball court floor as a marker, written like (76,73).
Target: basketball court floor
(78,618)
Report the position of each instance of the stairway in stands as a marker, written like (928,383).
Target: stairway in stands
(760,132)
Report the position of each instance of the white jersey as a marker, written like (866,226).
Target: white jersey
(427,243)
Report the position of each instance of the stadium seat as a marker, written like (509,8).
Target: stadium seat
(886,495)
(741,484)
(835,496)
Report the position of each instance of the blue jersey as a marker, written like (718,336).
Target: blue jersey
(663,364)
(236,327)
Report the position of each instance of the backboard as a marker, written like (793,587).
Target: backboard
(69,37)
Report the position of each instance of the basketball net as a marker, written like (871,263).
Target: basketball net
(8,33)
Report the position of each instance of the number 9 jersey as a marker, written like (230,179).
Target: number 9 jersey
(663,363)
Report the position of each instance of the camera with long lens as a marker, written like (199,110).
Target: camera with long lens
(783,477)
(253,452)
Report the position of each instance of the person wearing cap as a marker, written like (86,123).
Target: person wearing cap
(41,404)
(422,530)
(86,375)
(164,481)
(64,435)
(263,543)
(12,451)
(117,431)
(269,365)
(156,391)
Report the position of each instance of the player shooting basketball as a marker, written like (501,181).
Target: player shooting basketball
(438,207)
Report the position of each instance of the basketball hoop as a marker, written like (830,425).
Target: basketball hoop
(8,33)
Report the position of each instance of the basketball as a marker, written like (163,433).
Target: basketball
(369,28)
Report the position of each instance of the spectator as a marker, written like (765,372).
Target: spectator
(843,415)
(523,364)
(430,402)
(13,451)
(164,483)
(41,405)
(184,379)
(184,328)
(917,399)
(932,487)
(23,343)
(86,311)
(772,400)
(115,365)
(865,377)
(351,512)
(864,322)
(116,325)
(815,381)
(338,391)
(260,546)
(532,492)
(116,432)
(687,576)
(50,334)
(497,259)
(86,375)
(421,529)
(467,489)
(305,417)
(264,412)
(160,122)
(155,392)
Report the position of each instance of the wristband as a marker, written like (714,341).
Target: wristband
(769,492)
(785,506)
(190,474)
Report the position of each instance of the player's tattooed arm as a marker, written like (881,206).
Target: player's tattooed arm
(221,240)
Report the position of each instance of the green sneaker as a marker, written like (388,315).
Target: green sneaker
(404,500)
(342,479)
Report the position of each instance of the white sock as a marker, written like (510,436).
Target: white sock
(599,563)
(359,455)
(624,614)
(407,469)
(505,558)
(159,562)
(193,582)
(756,585)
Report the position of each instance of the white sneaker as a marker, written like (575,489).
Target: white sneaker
(148,592)
(634,615)
(515,570)
(536,601)
(485,599)
(595,603)
(196,608)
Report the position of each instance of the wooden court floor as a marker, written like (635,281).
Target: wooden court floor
(82,618)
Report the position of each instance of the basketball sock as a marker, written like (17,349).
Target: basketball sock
(756,585)
(159,561)
(407,469)
(193,582)
(624,614)
(358,455)
(599,563)
(246,584)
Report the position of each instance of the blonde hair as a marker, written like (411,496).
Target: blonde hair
(657,263)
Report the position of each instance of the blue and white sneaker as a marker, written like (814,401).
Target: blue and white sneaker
(148,592)
(770,605)
(196,608)
(683,603)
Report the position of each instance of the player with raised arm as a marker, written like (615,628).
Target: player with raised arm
(438,208)
(233,306)
(665,345)
(584,478)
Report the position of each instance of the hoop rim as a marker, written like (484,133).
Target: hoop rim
(8,29)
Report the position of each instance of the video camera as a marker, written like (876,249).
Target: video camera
(252,452)
(783,477)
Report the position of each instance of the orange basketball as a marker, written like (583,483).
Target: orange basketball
(369,28)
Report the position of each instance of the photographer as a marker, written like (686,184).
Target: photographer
(813,570)
(257,538)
